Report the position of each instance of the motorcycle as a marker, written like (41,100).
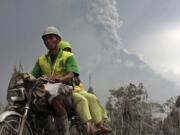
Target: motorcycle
(25,116)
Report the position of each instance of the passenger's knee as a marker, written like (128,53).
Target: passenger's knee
(92,97)
(78,98)
(83,99)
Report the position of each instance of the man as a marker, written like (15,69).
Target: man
(87,105)
(59,66)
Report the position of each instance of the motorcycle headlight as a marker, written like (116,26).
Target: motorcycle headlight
(16,94)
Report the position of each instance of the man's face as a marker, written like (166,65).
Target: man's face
(51,41)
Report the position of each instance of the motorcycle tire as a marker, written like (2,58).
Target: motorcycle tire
(11,126)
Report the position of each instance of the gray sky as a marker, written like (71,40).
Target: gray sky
(117,41)
(153,27)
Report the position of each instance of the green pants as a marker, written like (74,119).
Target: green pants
(88,107)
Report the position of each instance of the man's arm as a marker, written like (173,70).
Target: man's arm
(72,71)
(37,72)
(65,79)
(72,66)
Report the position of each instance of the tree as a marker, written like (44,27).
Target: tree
(130,112)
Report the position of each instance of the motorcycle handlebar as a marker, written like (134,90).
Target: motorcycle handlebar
(46,80)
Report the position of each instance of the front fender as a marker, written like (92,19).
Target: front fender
(5,114)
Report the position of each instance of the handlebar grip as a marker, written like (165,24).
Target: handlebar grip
(45,80)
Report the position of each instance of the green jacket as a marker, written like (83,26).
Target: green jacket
(65,62)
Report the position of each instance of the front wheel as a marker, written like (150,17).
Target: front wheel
(11,126)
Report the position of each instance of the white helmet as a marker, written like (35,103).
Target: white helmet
(51,30)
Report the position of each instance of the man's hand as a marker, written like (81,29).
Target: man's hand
(64,79)
(55,78)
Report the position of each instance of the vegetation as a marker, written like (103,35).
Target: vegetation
(131,113)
